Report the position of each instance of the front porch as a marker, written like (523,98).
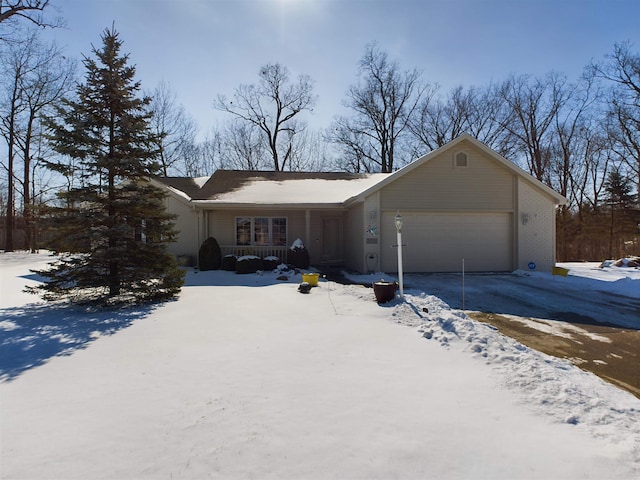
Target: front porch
(257,250)
(321,232)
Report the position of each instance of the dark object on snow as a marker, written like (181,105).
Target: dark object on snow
(299,257)
(631,262)
(229,263)
(304,287)
(209,255)
(248,264)
(385,291)
(270,263)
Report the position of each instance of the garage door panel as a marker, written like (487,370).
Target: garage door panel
(439,242)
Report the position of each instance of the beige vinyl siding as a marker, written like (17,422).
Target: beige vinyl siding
(353,238)
(185,224)
(438,242)
(438,185)
(536,228)
(451,212)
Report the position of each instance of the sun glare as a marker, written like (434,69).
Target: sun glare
(295,3)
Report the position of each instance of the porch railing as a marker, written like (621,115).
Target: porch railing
(257,250)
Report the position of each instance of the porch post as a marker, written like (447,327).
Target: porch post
(196,216)
(307,228)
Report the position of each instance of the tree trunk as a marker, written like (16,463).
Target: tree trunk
(26,187)
(10,220)
(114,279)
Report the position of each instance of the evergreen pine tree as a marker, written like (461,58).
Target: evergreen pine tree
(113,224)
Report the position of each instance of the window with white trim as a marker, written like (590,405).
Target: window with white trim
(262,231)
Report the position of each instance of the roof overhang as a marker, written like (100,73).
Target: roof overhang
(213,205)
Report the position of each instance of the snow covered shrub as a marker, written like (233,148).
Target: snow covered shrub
(299,255)
(248,264)
(210,255)
(270,263)
(229,263)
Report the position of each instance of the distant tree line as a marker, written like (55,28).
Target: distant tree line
(580,137)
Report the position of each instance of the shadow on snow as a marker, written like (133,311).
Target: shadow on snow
(32,334)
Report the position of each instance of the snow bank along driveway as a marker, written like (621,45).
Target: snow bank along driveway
(591,317)
(260,381)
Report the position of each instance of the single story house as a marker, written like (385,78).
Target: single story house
(461,202)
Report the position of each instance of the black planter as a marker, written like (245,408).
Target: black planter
(385,291)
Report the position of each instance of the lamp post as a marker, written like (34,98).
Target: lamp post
(399,232)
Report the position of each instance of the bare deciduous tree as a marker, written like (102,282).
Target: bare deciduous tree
(15,63)
(478,111)
(309,152)
(439,121)
(243,147)
(382,103)
(174,127)
(622,68)
(570,139)
(51,78)
(569,126)
(11,11)
(534,103)
(273,106)
(487,118)
(37,76)
(201,159)
(354,151)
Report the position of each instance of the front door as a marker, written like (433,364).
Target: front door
(331,240)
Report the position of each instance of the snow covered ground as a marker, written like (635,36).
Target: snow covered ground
(589,294)
(244,377)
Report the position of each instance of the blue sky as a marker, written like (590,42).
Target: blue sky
(206,47)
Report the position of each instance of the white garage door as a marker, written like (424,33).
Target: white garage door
(438,242)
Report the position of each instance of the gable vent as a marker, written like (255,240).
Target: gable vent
(461,159)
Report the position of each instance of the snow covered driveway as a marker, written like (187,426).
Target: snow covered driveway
(258,381)
(589,294)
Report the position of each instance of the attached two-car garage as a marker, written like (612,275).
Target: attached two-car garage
(438,242)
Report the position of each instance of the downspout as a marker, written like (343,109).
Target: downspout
(197,238)
(515,258)
(307,228)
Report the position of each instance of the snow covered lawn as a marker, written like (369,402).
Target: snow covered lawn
(244,377)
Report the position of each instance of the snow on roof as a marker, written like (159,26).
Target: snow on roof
(268,188)
(200,181)
(300,191)
(179,193)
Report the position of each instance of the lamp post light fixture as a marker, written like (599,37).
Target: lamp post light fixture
(399,233)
